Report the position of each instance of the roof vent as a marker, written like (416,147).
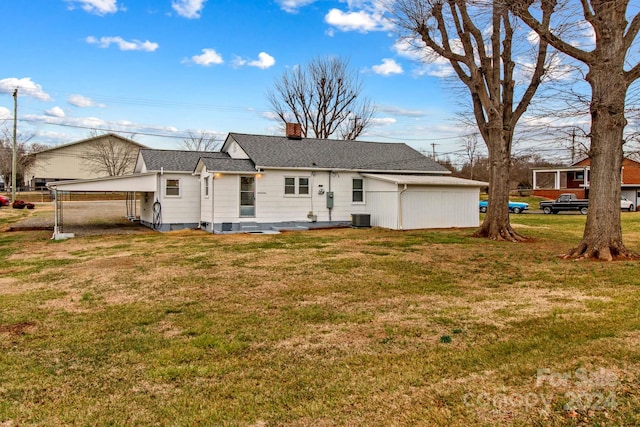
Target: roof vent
(294,130)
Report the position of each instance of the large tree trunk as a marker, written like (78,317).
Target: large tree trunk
(602,237)
(496,223)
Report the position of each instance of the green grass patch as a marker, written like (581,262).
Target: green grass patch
(333,327)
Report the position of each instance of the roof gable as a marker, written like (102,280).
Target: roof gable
(282,152)
(219,164)
(173,160)
(92,139)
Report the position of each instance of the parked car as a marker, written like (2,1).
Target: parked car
(569,201)
(566,202)
(626,204)
(515,207)
(4,201)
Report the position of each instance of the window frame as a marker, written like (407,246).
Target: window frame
(241,191)
(206,187)
(167,187)
(359,190)
(296,186)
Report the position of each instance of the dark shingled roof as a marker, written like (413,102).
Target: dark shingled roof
(276,151)
(217,164)
(175,160)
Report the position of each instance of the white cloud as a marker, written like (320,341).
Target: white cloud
(96,7)
(55,112)
(427,61)
(25,86)
(190,9)
(387,68)
(5,113)
(362,16)
(264,61)
(351,21)
(292,6)
(208,57)
(83,101)
(533,37)
(399,111)
(123,44)
(384,121)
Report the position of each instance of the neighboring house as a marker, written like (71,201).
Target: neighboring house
(259,183)
(551,182)
(79,160)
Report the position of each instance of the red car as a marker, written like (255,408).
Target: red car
(4,201)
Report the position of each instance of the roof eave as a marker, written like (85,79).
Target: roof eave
(357,170)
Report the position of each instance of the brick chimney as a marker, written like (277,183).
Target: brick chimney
(294,130)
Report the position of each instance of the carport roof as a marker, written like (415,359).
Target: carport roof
(446,181)
(145,182)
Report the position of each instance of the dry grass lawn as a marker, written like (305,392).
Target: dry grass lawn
(336,327)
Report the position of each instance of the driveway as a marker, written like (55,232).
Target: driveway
(83,218)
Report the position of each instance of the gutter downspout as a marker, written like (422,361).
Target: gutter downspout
(330,172)
(213,203)
(400,227)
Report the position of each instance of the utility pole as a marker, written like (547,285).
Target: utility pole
(433,149)
(14,162)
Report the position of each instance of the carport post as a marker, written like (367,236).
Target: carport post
(55,212)
(57,231)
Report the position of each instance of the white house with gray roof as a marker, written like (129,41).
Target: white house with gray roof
(259,183)
(272,182)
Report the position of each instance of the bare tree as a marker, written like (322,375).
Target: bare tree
(202,141)
(483,60)
(470,145)
(110,154)
(610,74)
(324,97)
(23,149)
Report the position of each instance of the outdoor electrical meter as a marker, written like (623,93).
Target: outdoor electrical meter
(329,199)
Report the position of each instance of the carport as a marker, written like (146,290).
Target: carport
(128,184)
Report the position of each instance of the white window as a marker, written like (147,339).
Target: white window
(172,188)
(206,186)
(296,186)
(289,185)
(357,194)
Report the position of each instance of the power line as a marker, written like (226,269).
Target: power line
(106,129)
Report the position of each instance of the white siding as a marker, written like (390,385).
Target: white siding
(440,207)
(206,202)
(146,207)
(185,208)
(423,206)
(272,205)
(236,152)
(383,208)
(226,202)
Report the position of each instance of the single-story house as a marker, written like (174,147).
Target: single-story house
(257,183)
(291,182)
(83,159)
(550,182)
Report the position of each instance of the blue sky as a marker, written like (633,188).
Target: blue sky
(169,67)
